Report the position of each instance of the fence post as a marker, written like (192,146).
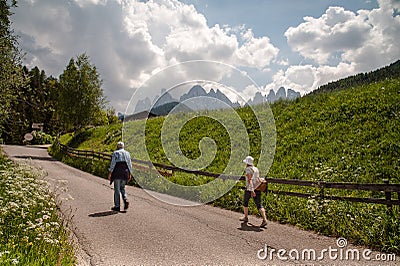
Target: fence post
(321,185)
(398,205)
(388,196)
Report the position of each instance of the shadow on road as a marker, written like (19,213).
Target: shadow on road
(40,158)
(250,227)
(44,147)
(102,214)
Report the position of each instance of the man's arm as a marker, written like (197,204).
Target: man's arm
(112,165)
(129,163)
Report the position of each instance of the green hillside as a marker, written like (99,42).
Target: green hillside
(381,74)
(346,135)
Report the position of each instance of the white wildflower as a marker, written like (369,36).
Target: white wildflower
(13,205)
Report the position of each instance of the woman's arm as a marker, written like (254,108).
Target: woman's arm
(250,180)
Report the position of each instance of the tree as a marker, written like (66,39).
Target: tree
(40,99)
(111,117)
(80,96)
(33,103)
(11,75)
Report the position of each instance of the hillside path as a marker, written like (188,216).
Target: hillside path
(152,232)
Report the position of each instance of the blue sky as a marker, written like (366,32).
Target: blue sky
(298,44)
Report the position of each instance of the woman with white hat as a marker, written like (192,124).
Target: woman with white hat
(252,181)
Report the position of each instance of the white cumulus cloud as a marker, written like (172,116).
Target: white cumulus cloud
(366,38)
(128,40)
(357,42)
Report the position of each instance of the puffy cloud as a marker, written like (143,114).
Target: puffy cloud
(357,42)
(128,40)
(256,52)
(83,3)
(336,30)
(306,78)
(301,78)
(362,40)
(325,74)
(183,34)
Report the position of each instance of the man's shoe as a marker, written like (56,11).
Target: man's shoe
(263,224)
(244,219)
(116,209)
(126,204)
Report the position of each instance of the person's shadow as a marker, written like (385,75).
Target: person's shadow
(102,214)
(246,226)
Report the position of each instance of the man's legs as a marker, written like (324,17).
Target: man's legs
(123,193)
(117,191)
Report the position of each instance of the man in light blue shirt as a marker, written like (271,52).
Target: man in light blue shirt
(120,172)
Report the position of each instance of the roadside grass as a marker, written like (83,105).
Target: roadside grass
(350,135)
(31,230)
(96,138)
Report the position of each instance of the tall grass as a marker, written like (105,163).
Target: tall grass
(31,231)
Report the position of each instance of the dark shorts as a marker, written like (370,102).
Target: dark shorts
(257,199)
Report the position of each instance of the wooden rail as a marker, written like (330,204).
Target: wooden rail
(386,190)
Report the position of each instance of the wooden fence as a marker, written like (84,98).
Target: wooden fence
(386,191)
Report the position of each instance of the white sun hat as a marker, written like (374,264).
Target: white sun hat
(249,160)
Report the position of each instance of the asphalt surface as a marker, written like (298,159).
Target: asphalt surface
(152,232)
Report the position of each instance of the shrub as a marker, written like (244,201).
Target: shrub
(40,138)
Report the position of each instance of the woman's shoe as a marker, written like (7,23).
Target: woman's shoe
(263,224)
(244,219)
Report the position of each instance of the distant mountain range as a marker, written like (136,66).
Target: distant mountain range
(197,98)
(281,94)
(216,99)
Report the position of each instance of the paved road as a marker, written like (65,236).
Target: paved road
(157,233)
